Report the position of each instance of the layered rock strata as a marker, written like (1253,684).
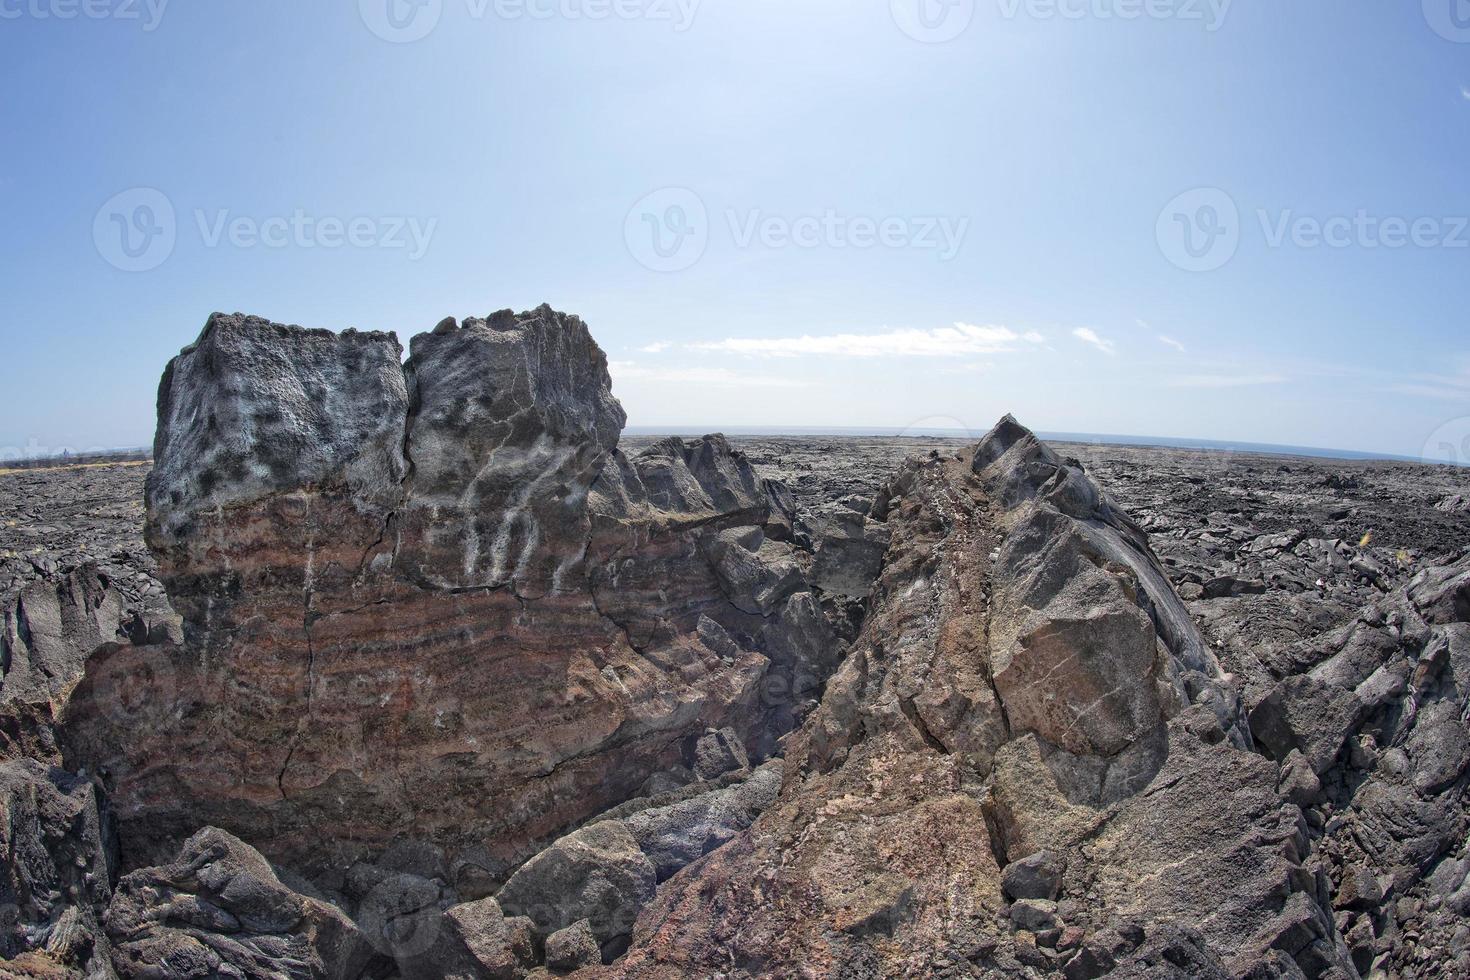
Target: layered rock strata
(433,601)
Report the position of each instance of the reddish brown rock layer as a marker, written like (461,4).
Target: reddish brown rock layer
(444,609)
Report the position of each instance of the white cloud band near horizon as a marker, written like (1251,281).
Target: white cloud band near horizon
(960,339)
(1225,380)
(633,371)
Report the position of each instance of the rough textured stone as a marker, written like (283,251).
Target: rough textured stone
(1026,681)
(1036,875)
(434,601)
(59,863)
(1306,715)
(598,874)
(572,948)
(219,910)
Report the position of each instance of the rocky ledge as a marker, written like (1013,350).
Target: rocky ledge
(449,685)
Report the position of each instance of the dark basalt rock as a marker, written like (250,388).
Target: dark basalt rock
(434,601)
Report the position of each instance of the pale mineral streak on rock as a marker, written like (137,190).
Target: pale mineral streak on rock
(433,599)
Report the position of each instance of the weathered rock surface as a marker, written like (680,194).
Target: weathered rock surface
(1026,682)
(440,632)
(434,601)
(220,910)
(57,873)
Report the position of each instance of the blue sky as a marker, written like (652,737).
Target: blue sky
(1235,220)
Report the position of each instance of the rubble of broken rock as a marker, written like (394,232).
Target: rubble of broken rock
(465,685)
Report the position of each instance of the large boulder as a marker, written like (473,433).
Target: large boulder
(433,601)
(598,874)
(220,910)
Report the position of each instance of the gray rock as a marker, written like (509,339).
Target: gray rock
(1036,875)
(1299,783)
(718,752)
(572,948)
(676,835)
(512,419)
(56,879)
(597,873)
(1306,714)
(48,630)
(757,574)
(253,408)
(1034,914)
(476,941)
(219,909)
(1358,889)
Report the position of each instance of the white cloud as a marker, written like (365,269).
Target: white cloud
(633,371)
(1089,336)
(1171,342)
(962,338)
(1225,380)
(1465,92)
(656,347)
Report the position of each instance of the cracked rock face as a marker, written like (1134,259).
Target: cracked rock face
(1027,693)
(433,601)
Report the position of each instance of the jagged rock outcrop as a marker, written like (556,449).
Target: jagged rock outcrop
(1027,692)
(494,699)
(1382,719)
(57,873)
(433,602)
(219,910)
